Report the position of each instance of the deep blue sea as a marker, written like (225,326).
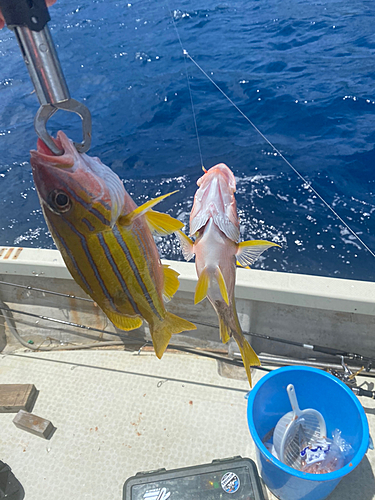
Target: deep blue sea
(302,71)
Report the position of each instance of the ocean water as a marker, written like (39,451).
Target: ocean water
(303,72)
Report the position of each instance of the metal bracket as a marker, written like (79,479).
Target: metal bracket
(45,112)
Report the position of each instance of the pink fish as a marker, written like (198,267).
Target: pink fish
(215,226)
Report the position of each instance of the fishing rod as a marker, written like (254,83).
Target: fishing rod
(346,374)
(368,361)
(343,372)
(9,320)
(42,290)
(322,350)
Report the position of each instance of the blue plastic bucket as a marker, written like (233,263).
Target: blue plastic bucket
(268,401)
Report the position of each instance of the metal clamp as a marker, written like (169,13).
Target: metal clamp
(45,112)
(29,22)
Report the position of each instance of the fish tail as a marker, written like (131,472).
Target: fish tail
(162,331)
(248,355)
(227,330)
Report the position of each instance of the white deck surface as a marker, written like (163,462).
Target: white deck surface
(119,413)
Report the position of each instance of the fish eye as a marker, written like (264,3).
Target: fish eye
(60,202)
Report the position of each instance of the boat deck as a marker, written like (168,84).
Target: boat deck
(119,413)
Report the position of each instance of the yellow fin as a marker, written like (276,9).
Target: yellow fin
(162,224)
(222,285)
(249,251)
(126,220)
(202,286)
(249,357)
(224,334)
(124,322)
(171,282)
(162,332)
(245,267)
(187,245)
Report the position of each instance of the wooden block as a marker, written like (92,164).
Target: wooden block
(36,425)
(16,397)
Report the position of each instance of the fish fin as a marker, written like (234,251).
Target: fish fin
(162,332)
(245,267)
(126,220)
(124,322)
(202,286)
(222,285)
(171,282)
(187,245)
(226,226)
(249,251)
(248,355)
(198,222)
(222,221)
(162,224)
(224,333)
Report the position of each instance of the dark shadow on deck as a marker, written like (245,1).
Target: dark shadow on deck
(358,484)
(10,487)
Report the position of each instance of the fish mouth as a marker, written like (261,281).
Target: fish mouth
(44,154)
(221,171)
(226,173)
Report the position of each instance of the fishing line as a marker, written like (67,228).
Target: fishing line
(275,149)
(188,83)
(306,182)
(192,107)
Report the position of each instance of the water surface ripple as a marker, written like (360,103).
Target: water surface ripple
(302,71)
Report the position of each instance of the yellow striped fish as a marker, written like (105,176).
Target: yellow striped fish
(106,240)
